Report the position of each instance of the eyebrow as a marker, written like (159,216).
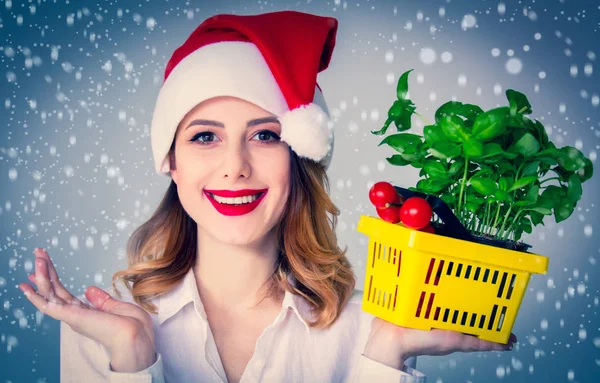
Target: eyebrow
(250,123)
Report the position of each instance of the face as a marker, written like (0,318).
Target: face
(225,147)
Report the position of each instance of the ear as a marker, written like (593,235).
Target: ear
(173,166)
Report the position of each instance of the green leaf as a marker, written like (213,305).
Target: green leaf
(530,169)
(385,127)
(586,172)
(491,149)
(403,122)
(402,88)
(574,189)
(473,148)
(434,169)
(527,145)
(484,186)
(541,210)
(537,218)
(522,182)
(454,128)
(472,206)
(445,150)
(449,199)
(571,159)
(433,185)
(397,160)
(533,194)
(403,142)
(456,108)
(525,225)
(433,133)
(541,132)
(563,209)
(501,195)
(518,102)
(490,124)
(455,168)
(504,183)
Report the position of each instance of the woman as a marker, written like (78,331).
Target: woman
(237,276)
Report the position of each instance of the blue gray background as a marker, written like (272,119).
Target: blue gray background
(78,81)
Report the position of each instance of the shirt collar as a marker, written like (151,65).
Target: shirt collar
(186,291)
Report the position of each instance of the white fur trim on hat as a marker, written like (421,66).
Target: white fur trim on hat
(237,69)
(308,130)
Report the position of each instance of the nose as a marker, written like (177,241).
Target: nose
(236,163)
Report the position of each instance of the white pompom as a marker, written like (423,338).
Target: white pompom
(308,130)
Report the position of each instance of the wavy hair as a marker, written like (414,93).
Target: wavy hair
(161,251)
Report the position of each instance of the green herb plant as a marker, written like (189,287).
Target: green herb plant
(489,167)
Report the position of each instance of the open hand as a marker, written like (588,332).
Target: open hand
(392,345)
(123,328)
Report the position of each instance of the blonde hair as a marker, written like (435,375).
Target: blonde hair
(162,250)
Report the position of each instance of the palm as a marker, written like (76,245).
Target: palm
(436,341)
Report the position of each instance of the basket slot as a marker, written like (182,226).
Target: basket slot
(446,315)
(455,316)
(431,299)
(473,318)
(431,263)
(374,254)
(468,272)
(399,261)
(501,321)
(482,321)
(477,271)
(389,301)
(501,288)
(495,277)
(512,285)
(486,275)
(395,295)
(370,285)
(384,297)
(439,273)
(394,260)
(491,323)
(459,269)
(450,268)
(437,313)
(420,304)
(464,318)
(374,294)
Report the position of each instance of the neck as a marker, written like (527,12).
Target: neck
(235,278)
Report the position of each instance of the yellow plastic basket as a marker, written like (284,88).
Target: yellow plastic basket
(421,280)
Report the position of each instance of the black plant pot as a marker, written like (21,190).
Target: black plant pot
(452,227)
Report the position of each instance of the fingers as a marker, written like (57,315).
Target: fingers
(46,306)
(42,280)
(52,274)
(471,343)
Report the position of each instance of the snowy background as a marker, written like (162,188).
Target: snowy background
(78,82)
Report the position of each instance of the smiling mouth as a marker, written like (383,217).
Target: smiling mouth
(237,201)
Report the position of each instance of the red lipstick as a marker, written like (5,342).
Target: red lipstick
(235,210)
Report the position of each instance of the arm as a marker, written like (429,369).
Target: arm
(82,359)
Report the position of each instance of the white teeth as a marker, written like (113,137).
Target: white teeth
(235,201)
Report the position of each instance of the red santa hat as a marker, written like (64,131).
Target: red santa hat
(271,60)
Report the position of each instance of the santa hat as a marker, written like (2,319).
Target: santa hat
(271,60)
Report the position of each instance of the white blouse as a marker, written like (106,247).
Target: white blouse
(287,351)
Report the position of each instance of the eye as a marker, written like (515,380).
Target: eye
(265,135)
(203,138)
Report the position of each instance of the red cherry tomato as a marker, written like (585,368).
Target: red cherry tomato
(428,229)
(415,213)
(390,214)
(382,193)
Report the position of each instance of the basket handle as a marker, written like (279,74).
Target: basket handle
(452,226)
